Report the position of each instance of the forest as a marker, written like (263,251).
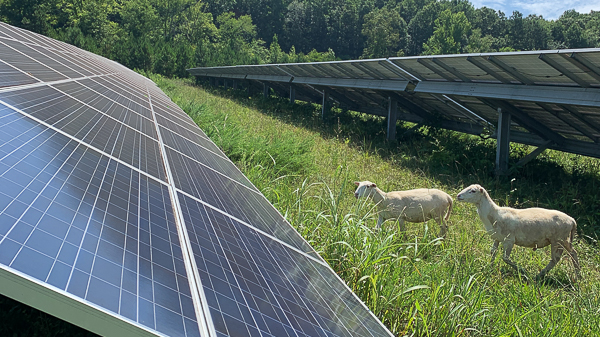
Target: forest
(167,37)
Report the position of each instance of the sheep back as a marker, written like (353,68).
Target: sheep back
(532,227)
(418,205)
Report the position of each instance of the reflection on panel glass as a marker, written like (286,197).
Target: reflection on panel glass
(202,155)
(238,200)
(11,76)
(257,286)
(96,98)
(27,64)
(89,226)
(90,125)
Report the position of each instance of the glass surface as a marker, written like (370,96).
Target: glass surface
(90,125)
(27,64)
(239,201)
(92,227)
(255,285)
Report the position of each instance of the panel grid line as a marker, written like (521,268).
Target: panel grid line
(31,204)
(84,143)
(36,61)
(252,227)
(202,314)
(216,171)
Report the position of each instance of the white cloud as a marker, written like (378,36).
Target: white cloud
(549,9)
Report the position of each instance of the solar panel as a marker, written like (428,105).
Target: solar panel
(118,214)
(549,92)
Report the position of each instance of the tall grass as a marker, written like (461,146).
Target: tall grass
(416,283)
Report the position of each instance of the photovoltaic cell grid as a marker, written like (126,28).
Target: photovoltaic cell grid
(90,226)
(89,209)
(257,286)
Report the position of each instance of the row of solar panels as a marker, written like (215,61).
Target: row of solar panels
(118,214)
(551,95)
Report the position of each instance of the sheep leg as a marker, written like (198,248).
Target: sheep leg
(508,246)
(557,250)
(401,224)
(573,254)
(379,221)
(494,250)
(443,227)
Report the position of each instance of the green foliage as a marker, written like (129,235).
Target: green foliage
(385,32)
(478,43)
(450,34)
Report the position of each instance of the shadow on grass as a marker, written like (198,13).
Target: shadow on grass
(558,181)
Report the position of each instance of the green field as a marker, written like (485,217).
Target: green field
(414,282)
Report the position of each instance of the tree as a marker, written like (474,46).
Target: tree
(569,31)
(450,34)
(140,19)
(478,43)
(420,27)
(489,22)
(385,32)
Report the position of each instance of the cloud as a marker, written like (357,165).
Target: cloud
(549,9)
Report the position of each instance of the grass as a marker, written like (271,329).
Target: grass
(414,282)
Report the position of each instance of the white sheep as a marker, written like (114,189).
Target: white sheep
(530,227)
(417,205)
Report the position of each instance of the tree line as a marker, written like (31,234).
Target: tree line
(169,36)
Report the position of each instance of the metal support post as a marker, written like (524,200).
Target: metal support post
(503,142)
(392,118)
(235,84)
(248,88)
(266,90)
(325,105)
(292,94)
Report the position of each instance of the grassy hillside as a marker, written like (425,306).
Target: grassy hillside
(415,283)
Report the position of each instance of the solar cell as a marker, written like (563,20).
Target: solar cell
(120,215)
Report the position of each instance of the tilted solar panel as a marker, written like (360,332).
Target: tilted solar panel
(118,214)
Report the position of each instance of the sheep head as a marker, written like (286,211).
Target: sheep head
(472,194)
(365,189)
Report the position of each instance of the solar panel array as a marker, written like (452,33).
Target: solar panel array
(118,214)
(552,95)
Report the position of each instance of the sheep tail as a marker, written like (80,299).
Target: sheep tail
(449,210)
(573,231)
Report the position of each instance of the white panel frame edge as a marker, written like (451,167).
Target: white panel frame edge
(68,307)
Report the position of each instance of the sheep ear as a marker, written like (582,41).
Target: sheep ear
(481,190)
(356,183)
(373,185)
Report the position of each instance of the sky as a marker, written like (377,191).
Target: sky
(549,9)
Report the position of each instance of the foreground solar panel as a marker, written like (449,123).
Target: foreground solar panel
(119,215)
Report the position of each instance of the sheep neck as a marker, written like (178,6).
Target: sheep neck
(486,203)
(487,208)
(379,196)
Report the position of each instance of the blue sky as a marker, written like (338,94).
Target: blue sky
(550,9)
